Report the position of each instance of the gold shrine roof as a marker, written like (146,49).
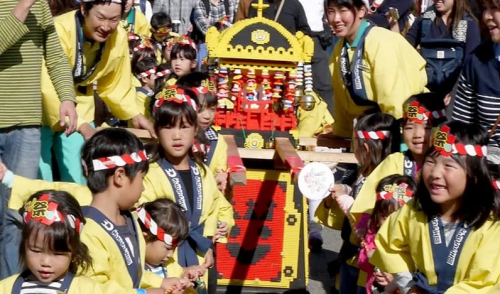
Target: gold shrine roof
(258,39)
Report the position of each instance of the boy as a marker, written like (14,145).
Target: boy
(145,71)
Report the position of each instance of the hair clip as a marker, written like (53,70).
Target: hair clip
(444,143)
(151,225)
(400,193)
(419,114)
(373,135)
(110,162)
(44,211)
(174,94)
(146,73)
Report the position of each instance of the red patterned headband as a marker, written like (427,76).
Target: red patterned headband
(133,37)
(400,192)
(44,211)
(146,73)
(119,160)
(145,43)
(444,143)
(163,73)
(496,184)
(183,40)
(419,114)
(372,135)
(151,225)
(174,94)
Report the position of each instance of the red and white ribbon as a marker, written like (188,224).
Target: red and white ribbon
(151,225)
(118,160)
(372,135)
(163,73)
(146,73)
(496,185)
(472,150)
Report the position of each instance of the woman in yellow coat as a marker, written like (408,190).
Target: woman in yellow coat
(176,175)
(448,237)
(372,68)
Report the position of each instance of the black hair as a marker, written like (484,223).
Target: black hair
(349,4)
(144,65)
(379,149)
(195,80)
(169,217)
(160,20)
(142,53)
(60,236)
(88,5)
(160,81)
(169,114)
(58,7)
(431,102)
(390,205)
(480,201)
(183,50)
(106,143)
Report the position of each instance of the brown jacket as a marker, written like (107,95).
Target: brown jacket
(242,12)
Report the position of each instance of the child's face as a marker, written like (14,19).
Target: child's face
(149,81)
(181,66)
(132,190)
(46,266)
(158,252)
(162,34)
(166,53)
(491,17)
(417,136)
(177,140)
(206,116)
(345,23)
(445,179)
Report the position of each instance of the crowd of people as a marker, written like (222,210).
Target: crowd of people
(412,86)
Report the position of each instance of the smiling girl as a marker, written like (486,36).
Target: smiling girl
(448,236)
(372,68)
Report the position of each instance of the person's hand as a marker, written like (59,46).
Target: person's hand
(87,131)
(382,278)
(221,230)
(141,122)
(68,109)
(337,190)
(221,179)
(175,285)
(209,259)
(155,291)
(3,171)
(193,273)
(447,99)
(360,234)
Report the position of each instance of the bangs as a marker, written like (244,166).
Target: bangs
(349,4)
(171,113)
(183,50)
(210,100)
(55,237)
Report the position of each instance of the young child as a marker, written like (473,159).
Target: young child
(375,140)
(161,26)
(145,71)
(115,163)
(448,236)
(215,146)
(182,58)
(392,193)
(421,113)
(134,21)
(51,254)
(175,174)
(164,227)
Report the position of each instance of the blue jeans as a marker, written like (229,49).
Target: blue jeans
(20,152)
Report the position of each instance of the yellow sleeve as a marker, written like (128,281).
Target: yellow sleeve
(483,272)
(150,280)
(365,200)
(142,26)
(224,211)
(101,264)
(23,188)
(115,89)
(143,102)
(393,247)
(313,122)
(219,159)
(392,86)
(332,217)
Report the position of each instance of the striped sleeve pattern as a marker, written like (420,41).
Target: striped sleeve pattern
(22,47)
(465,102)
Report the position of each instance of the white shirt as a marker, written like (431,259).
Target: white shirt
(315,11)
